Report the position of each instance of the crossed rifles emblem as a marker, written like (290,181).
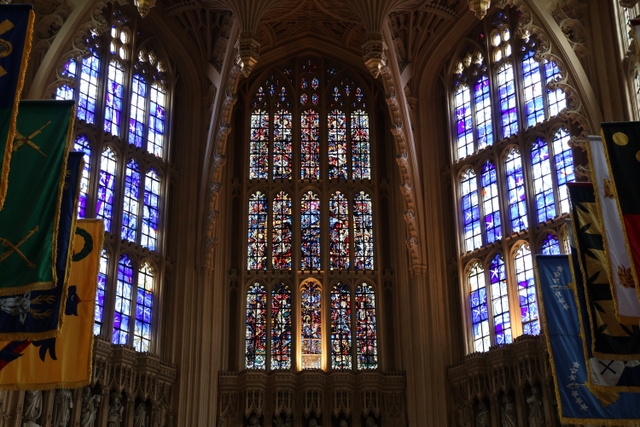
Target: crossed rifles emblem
(21,141)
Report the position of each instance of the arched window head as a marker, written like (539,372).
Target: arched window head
(479,308)
(130,208)
(310,231)
(526,290)
(123,302)
(144,308)
(366,328)
(257,230)
(282,233)
(106,187)
(281,335)
(340,327)
(542,181)
(470,211)
(551,245)
(311,325)
(255,354)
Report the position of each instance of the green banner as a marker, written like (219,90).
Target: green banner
(30,217)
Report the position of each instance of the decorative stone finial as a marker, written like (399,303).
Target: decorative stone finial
(479,7)
(248,52)
(144,6)
(373,53)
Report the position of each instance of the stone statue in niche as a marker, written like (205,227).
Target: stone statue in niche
(62,408)
(536,418)
(115,410)
(32,408)
(344,423)
(140,418)
(254,421)
(313,423)
(370,422)
(483,417)
(508,411)
(89,410)
(282,421)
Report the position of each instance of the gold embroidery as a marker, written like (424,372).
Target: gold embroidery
(22,140)
(5,47)
(14,248)
(608,189)
(626,279)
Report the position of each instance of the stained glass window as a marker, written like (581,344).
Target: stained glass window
(464,123)
(360,145)
(338,231)
(479,308)
(282,144)
(310,145)
(366,329)
(500,301)
(144,309)
(259,147)
(65,91)
(527,291)
(337,144)
(507,96)
(124,289)
(563,160)
(340,327)
(88,93)
(542,181)
(310,231)
(114,96)
(98,316)
(83,145)
(516,192)
(106,186)
(556,98)
(281,327)
(551,245)
(470,211)
(363,231)
(282,235)
(491,203)
(138,110)
(311,326)
(533,102)
(257,253)
(482,99)
(255,354)
(157,111)
(130,207)
(150,211)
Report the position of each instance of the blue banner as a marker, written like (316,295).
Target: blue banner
(561,322)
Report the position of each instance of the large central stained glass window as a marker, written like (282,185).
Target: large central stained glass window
(310,215)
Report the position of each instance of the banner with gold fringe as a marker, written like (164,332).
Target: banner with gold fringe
(561,323)
(617,262)
(65,361)
(16,31)
(30,218)
(38,314)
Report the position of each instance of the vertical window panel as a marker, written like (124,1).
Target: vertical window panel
(340,327)
(65,91)
(98,315)
(257,230)
(527,291)
(83,145)
(259,145)
(500,301)
(507,99)
(144,309)
(310,232)
(338,232)
(542,181)
(533,102)
(360,145)
(150,211)
(106,185)
(88,93)
(551,245)
(556,99)
(563,160)
(281,327)
(255,353)
(470,211)
(113,97)
(282,234)
(310,145)
(311,327)
(130,205)
(122,313)
(157,110)
(491,203)
(516,192)
(464,122)
(363,232)
(337,144)
(282,145)
(479,308)
(366,328)
(138,110)
(482,100)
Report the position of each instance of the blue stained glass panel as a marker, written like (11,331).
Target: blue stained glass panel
(366,328)
(83,145)
(138,110)
(69,72)
(551,245)
(157,110)
(507,98)
(130,202)
(491,203)
(482,100)
(500,300)
(88,92)
(527,291)
(281,331)
(144,308)
(563,159)
(340,327)
(113,97)
(479,308)
(106,185)
(98,318)
(464,122)
(150,211)
(516,192)
(542,181)
(470,211)
(122,310)
(255,353)
(532,82)
(556,98)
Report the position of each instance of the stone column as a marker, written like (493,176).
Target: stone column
(496,415)
(103,412)
(129,411)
